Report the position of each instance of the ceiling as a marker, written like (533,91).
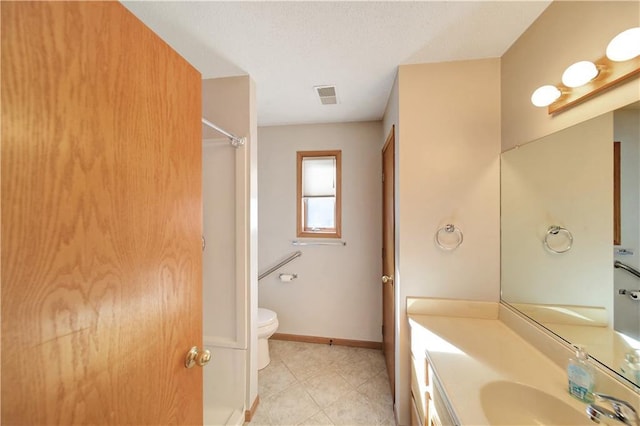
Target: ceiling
(290,47)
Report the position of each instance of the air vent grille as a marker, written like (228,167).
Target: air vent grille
(327,95)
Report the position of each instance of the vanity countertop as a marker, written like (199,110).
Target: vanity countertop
(468,353)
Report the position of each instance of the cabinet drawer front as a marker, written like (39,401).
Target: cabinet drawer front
(422,369)
(416,420)
(420,392)
(439,406)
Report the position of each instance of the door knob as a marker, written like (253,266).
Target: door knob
(197,356)
(387,279)
(204,357)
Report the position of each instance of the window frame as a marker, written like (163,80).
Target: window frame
(301,230)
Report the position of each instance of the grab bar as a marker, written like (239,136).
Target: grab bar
(280,265)
(629,269)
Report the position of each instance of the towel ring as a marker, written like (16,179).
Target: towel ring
(555,230)
(446,230)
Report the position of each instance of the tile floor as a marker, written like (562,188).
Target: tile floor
(314,384)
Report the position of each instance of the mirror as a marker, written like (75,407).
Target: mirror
(557,225)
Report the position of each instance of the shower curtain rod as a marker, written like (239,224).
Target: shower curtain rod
(235,141)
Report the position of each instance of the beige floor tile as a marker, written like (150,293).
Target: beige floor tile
(334,353)
(291,406)
(275,378)
(358,371)
(319,419)
(261,417)
(359,356)
(307,363)
(326,388)
(377,360)
(378,390)
(281,349)
(313,384)
(386,418)
(353,409)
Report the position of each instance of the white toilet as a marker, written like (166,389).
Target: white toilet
(267,325)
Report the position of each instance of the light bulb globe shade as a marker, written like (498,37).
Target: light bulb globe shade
(545,95)
(579,74)
(625,45)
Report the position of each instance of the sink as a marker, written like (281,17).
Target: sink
(511,403)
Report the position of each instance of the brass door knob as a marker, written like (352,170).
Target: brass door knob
(197,356)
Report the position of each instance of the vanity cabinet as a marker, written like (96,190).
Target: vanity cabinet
(428,406)
(420,391)
(470,366)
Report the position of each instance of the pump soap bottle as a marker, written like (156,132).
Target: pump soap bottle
(581,376)
(631,365)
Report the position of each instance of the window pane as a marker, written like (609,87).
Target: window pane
(320,212)
(318,176)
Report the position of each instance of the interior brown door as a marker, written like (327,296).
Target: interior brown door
(101,219)
(388,254)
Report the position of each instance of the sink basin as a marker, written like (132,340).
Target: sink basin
(511,403)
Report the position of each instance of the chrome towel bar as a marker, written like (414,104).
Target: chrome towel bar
(318,243)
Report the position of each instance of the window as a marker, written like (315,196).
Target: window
(319,194)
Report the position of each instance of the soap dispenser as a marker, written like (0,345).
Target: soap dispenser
(581,376)
(631,366)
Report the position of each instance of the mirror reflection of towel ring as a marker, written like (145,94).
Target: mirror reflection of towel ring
(555,231)
(448,237)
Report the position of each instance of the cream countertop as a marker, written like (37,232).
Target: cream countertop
(584,325)
(469,353)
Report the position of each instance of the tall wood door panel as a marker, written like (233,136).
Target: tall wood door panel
(101,219)
(388,257)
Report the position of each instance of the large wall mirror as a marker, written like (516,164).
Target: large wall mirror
(558,251)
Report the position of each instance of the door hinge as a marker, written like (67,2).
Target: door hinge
(382,327)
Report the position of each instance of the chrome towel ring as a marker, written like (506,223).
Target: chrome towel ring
(448,237)
(553,239)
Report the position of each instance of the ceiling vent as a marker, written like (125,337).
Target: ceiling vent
(327,95)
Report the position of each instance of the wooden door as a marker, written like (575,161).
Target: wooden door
(388,255)
(101,219)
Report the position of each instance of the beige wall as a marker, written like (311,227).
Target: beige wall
(391,113)
(448,172)
(452,121)
(338,291)
(565,33)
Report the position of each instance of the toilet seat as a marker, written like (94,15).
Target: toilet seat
(266,317)
(267,326)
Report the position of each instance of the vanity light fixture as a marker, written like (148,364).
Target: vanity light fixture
(545,95)
(579,74)
(585,79)
(625,45)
